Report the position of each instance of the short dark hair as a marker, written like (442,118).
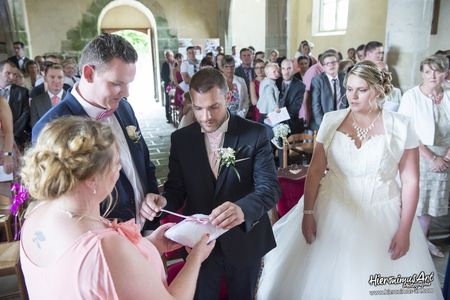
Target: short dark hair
(206,79)
(372,45)
(22,45)
(228,59)
(105,48)
(327,54)
(361,47)
(260,52)
(302,57)
(189,48)
(206,61)
(6,61)
(244,49)
(53,67)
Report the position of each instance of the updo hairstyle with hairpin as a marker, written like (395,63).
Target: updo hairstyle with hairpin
(377,79)
(67,151)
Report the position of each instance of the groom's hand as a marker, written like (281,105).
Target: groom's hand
(227,215)
(152,205)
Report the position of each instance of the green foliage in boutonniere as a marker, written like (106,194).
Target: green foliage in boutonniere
(226,158)
(133,134)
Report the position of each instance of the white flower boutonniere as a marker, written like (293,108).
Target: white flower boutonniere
(133,134)
(226,157)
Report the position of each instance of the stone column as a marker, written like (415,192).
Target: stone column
(276,27)
(223,21)
(408,27)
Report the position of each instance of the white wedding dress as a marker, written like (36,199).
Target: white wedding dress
(357,213)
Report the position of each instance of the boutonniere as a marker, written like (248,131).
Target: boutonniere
(133,134)
(226,158)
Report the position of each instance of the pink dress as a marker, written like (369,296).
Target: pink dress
(82,271)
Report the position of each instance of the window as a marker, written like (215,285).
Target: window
(329,17)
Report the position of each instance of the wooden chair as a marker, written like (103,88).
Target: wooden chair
(298,146)
(292,183)
(10,265)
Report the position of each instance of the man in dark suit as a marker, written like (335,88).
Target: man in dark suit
(18,100)
(238,203)
(54,77)
(327,89)
(108,67)
(291,95)
(19,59)
(245,70)
(166,70)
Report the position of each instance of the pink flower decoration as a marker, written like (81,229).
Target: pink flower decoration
(128,229)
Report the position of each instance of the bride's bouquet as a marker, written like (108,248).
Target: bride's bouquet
(280,133)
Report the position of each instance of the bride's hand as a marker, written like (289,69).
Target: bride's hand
(399,245)
(309,228)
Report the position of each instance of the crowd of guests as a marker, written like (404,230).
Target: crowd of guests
(88,146)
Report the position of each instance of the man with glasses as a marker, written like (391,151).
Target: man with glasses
(327,90)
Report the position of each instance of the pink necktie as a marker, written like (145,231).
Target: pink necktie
(105,114)
(55,100)
(214,139)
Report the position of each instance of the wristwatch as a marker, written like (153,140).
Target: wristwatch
(7,153)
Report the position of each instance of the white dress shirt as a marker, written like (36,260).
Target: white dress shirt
(126,160)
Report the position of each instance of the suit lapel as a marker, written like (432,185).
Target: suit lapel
(231,140)
(134,148)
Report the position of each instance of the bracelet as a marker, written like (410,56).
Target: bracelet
(308,212)
(7,153)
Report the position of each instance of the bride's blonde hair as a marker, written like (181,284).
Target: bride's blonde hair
(67,151)
(377,79)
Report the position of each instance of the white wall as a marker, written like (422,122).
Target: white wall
(248,24)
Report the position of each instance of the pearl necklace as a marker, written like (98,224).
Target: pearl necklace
(437,99)
(361,133)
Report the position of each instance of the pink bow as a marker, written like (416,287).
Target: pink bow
(128,229)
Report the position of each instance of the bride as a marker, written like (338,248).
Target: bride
(354,234)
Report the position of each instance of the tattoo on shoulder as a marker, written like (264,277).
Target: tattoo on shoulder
(38,238)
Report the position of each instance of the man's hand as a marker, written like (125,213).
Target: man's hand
(151,206)
(227,215)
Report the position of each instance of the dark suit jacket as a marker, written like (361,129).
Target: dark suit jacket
(39,106)
(292,99)
(191,182)
(16,61)
(125,207)
(20,108)
(40,89)
(322,98)
(165,72)
(239,71)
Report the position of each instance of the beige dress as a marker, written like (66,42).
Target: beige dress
(435,187)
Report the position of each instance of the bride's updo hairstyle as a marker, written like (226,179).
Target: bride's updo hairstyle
(67,151)
(377,79)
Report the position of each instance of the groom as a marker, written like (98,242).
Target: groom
(108,66)
(238,203)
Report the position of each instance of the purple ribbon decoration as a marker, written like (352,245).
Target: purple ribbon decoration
(20,195)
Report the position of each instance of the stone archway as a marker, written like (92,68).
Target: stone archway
(133,15)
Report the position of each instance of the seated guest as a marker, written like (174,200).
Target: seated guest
(70,171)
(291,95)
(238,102)
(31,74)
(54,78)
(260,55)
(18,100)
(360,52)
(70,71)
(273,56)
(254,87)
(327,90)
(42,87)
(302,66)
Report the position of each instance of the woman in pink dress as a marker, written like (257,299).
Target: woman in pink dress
(254,86)
(68,251)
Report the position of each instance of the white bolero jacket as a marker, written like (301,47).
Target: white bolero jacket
(400,133)
(420,109)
